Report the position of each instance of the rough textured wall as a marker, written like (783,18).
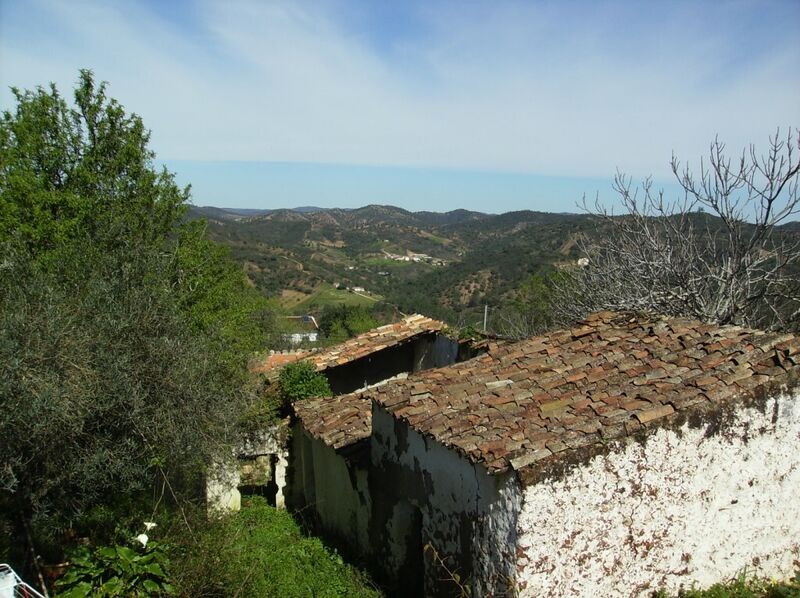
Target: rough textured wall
(336,490)
(224,480)
(463,512)
(696,505)
(495,542)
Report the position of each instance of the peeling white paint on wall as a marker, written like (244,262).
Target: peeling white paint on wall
(468,516)
(683,507)
(222,492)
(495,542)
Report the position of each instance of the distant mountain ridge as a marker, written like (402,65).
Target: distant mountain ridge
(445,264)
(432,218)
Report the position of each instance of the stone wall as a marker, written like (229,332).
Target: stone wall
(258,464)
(692,505)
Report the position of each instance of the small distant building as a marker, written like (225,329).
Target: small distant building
(358,289)
(301,329)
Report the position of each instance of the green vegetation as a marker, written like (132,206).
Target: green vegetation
(124,338)
(301,380)
(116,572)
(261,551)
(530,310)
(341,322)
(744,585)
(109,376)
(488,256)
(326,295)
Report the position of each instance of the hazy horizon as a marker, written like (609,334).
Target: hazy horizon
(489,106)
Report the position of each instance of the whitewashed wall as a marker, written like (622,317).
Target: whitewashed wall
(467,516)
(684,507)
(223,479)
(341,496)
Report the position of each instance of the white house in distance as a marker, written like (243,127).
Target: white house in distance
(613,459)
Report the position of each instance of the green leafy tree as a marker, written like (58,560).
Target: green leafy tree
(340,322)
(82,171)
(531,310)
(123,331)
(212,291)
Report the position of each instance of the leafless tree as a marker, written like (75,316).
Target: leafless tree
(717,253)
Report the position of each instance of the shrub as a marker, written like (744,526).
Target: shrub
(116,571)
(261,551)
(301,380)
(744,585)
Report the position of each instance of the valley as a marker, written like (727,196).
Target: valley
(448,265)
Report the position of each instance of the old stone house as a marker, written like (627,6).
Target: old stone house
(628,454)
(329,446)
(413,344)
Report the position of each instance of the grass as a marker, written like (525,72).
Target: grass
(744,585)
(326,295)
(261,551)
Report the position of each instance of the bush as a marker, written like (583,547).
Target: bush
(340,322)
(301,380)
(261,551)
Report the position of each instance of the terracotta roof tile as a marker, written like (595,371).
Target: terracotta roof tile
(614,375)
(337,421)
(360,346)
(277,359)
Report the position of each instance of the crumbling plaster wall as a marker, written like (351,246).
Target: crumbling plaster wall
(331,488)
(466,515)
(224,479)
(693,505)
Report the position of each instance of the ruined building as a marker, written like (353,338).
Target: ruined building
(612,459)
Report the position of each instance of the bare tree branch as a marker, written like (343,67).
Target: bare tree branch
(716,254)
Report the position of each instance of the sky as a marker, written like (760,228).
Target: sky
(428,105)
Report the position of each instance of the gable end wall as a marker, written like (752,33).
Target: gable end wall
(688,505)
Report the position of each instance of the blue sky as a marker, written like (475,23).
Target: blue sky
(428,105)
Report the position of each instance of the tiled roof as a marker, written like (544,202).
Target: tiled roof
(277,359)
(523,405)
(337,421)
(375,340)
(365,344)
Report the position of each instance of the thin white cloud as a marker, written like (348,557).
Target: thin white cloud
(523,87)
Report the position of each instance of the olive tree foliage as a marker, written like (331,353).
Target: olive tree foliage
(104,389)
(124,332)
(717,253)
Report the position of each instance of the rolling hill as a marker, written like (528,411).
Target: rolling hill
(444,264)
